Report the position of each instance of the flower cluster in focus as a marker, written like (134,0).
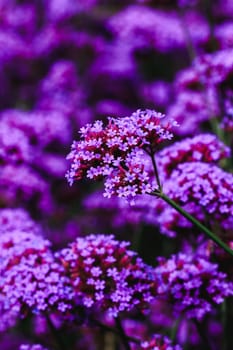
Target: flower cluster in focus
(192,284)
(115,152)
(105,274)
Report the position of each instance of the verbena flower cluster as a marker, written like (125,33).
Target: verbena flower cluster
(105,274)
(159,343)
(115,152)
(201,148)
(192,284)
(31,279)
(204,184)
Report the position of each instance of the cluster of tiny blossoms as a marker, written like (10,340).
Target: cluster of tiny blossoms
(192,284)
(204,184)
(106,275)
(159,342)
(202,148)
(31,279)
(115,152)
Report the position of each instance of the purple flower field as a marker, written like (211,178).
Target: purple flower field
(116,175)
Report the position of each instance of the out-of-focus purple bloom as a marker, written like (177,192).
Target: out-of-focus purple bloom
(157,93)
(58,10)
(214,68)
(205,185)
(202,148)
(223,35)
(156,29)
(14,145)
(118,214)
(31,279)
(17,219)
(192,284)
(32,347)
(159,342)
(20,184)
(41,127)
(107,275)
(192,108)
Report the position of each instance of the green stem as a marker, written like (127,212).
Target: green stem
(155,170)
(194,221)
(174,329)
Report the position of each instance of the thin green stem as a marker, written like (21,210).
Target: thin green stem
(194,221)
(174,329)
(156,171)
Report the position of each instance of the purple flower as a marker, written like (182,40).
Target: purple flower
(205,185)
(31,279)
(32,347)
(121,283)
(159,342)
(22,184)
(14,145)
(157,29)
(201,148)
(192,284)
(116,152)
(17,219)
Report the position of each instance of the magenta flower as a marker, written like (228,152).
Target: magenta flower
(105,274)
(31,279)
(201,148)
(116,152)
(159,342)
(205,185)
(192,284)
(32,347)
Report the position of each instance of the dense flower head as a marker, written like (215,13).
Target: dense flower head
(32,347)
(204,184)
(21,183)
(39,126)
(159,342)
(192,284)
(31,279)
(193,108)
(14,145)
(216,67)
(157,29)
(202,148)
(12,219)
(107,275)
(115,152)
